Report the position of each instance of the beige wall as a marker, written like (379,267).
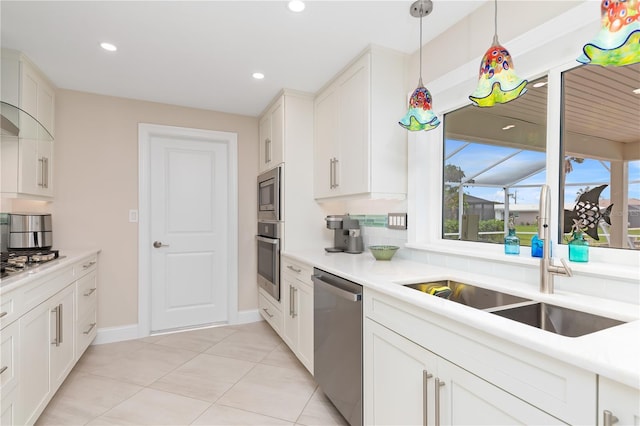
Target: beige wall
(96,184)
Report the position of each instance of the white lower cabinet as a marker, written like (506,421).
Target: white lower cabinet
(297,296)
(47,348)
(40,337)
(270,311)
(409,385)
(617,404)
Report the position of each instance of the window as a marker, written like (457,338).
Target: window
(494,164)
(600,153)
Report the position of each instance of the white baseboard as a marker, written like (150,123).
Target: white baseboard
(250,315)
(116,334)
(129,332)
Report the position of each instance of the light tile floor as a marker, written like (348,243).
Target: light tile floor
(230,375)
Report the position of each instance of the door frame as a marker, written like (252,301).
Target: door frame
(145,132)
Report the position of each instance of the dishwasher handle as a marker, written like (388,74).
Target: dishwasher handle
(344,294)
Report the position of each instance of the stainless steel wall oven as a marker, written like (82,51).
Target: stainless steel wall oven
(268,241)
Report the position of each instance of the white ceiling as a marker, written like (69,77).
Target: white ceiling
(202,53)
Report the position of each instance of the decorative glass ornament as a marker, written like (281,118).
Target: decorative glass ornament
(618,41)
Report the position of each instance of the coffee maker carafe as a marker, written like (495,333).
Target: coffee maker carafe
(346,234)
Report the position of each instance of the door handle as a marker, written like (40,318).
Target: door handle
(425,395)
(158,244)
(439,384)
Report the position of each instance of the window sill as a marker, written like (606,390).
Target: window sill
(629,270)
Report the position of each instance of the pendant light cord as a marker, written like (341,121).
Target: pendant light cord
(421,16)
(495,22)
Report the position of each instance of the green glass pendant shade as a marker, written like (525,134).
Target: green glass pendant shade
(497,80)
(618,41)
(420,116)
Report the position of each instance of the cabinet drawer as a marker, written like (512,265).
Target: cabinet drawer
(560,389)
(87,294)
(298,270)
(8,358)
(86,330)
(9,306)
(270,312)
(85,266)
(45,287)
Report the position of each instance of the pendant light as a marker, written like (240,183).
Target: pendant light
(420,116)
(497,80)
(618,42)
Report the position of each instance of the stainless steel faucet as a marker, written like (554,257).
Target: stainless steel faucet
(547,268)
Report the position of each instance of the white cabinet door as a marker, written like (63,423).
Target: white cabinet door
(396,379)
(63,336)
(9,359)
(325,144)
(291,324)
(271,133)
(407,384)
(47,353)
(37,97)
(34,373)
(464,399)
(353,138)
(304,311)
(619,401)
(265,142)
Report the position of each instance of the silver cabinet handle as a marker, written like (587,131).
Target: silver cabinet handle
(295,313)
(291,301)
(58,311)
(266,311)
(425,399)
(608,418)
(41,180)
(331,173)
(2,314)
(91,326)
(90,292)
(45,176)
(336,181)
(3,369)
(439,384)
(294,269)
(88,265)
(269,151)
(158,244)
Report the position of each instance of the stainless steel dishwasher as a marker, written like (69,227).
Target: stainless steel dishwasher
(337,327)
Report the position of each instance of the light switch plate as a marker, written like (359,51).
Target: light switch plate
(397,221)
(133,216)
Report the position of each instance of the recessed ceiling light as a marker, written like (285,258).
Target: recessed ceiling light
(637,91)
(108,46)
(296,5)
(258,75)
(509,126)
(540,84)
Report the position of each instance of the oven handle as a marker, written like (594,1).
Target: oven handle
(274,241)
(344,294)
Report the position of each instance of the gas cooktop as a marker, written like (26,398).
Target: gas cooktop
(14,262)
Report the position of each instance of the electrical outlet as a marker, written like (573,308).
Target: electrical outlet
(397,221)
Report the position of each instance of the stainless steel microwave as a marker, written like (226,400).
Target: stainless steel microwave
(269,195)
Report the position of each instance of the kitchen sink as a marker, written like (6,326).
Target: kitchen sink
(467,294)
(556,319)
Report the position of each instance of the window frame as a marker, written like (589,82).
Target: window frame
(549,49)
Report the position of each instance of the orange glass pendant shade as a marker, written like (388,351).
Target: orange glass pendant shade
(618,41)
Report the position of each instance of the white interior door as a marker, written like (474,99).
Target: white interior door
(189,196)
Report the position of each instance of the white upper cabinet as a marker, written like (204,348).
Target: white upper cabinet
(28,120)
(25,87)
(359,148)
(272,136)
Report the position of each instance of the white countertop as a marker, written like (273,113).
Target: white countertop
(613,352)
(66,258)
